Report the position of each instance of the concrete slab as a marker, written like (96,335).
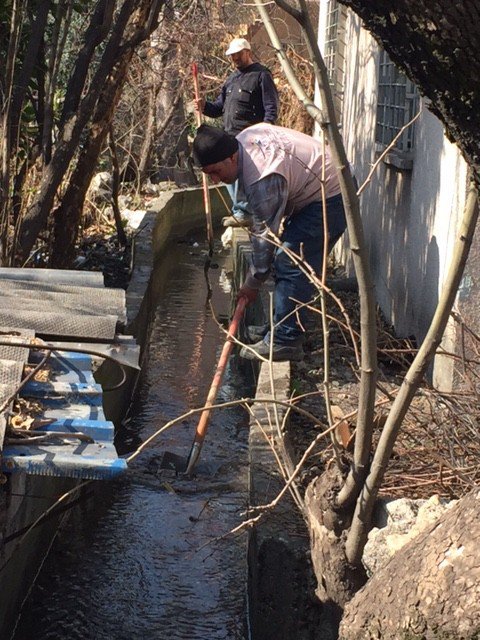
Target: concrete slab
(278,545)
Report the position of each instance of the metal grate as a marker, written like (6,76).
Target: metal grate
(36,296)
(60,309)
(12,360)
(10,374)
(397,103)
(10,377)
(62,324)
(334,54)
(54,276)
(9,334)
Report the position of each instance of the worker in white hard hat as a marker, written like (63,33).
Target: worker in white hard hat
(248,96)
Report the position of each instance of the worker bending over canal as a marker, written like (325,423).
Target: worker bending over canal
(280,174)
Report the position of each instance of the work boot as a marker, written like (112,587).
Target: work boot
(237,220)
(292,351)
(256,332)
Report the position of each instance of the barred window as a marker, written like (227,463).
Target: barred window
(398,101)
(334,54)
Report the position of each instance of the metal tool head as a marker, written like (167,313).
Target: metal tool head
(184,466)
(173,462)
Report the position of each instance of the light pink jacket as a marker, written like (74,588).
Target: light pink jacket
(296,156)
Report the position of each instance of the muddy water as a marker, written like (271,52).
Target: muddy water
(145,557)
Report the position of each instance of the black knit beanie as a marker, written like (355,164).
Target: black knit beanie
(212,145)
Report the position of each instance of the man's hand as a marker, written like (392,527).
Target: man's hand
(199,105)
(248,293)
(249,288)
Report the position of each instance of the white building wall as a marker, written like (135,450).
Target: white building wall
(410,216)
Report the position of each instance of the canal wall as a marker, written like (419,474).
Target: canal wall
(279,578)
(172,216)
(22,555)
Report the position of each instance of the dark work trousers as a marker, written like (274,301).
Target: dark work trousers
(303,235)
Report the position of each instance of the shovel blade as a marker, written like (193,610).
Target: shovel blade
(173,462)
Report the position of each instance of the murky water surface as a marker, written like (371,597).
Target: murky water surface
(146,557)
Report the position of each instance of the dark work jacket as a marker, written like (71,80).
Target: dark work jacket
(248,96)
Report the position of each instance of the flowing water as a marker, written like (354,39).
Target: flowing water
(146,557)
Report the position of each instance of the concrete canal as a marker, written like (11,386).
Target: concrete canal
(148,557)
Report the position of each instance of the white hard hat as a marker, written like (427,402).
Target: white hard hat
(236,45)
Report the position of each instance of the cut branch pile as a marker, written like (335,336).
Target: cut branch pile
(438,448)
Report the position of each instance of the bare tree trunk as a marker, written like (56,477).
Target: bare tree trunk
(7,88)
(96,33)
(122,237)
(357,536)
(29,61)
(59,35)
(148,136)
(171,131)
(327,120)
(361,262)
(338,581)
(67,216)
(143,17)
(74,122)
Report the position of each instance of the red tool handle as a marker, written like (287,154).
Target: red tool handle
(222,363)
(202,426)
(197,91)
(206,192)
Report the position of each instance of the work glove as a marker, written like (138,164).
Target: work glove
(249,289)
(248,293)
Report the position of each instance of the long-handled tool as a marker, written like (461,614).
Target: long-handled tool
(178,463)
(206,191)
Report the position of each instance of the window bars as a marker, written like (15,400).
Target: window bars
(397,103)
(334,52)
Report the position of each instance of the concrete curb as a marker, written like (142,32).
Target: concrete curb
(278,545)
(172,215)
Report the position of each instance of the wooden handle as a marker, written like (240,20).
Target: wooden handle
(206,192)
(197,91)
(222,363)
